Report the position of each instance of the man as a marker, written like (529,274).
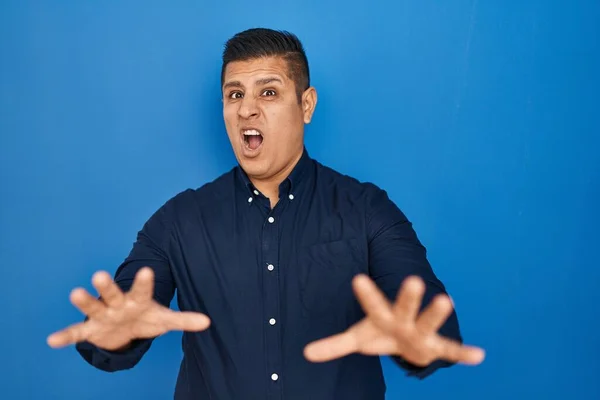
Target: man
(292,279)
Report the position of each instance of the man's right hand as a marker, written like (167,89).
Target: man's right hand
(118,318)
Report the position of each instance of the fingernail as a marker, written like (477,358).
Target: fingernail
(479,355)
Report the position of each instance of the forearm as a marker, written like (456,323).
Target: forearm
(148,251)
(128,355)
(395,254)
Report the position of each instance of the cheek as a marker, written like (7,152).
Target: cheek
(286,120)
(228,113)
(230,119)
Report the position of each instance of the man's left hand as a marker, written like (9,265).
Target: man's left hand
(397,329)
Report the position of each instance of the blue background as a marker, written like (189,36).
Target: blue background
(481,119)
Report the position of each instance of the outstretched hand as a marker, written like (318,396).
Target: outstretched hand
(118,318)
(397,329)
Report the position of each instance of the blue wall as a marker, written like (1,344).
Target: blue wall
(481,119)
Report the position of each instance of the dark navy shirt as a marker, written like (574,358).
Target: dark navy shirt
(272,281)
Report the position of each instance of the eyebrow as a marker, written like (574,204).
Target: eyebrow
(266,81)
(262,81)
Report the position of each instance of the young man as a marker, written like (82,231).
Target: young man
(291,277)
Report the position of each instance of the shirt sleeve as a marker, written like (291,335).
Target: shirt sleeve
(148,250)
(395,252)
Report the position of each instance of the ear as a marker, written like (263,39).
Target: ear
(309,103)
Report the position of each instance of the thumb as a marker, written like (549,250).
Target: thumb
(186,321)
(331,347)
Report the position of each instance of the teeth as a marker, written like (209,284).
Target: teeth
(251,132)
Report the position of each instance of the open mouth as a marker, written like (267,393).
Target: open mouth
(252,138)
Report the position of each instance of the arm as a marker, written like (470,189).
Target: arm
(395,252)
(148,250)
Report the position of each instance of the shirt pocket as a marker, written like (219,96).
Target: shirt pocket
(327,269)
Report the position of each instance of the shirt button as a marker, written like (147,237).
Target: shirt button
(271,219)
(274,377)
(272,321)
(256,192)
(249,199)
(270,267)
(291,196)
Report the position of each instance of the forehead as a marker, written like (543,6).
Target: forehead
(248,71)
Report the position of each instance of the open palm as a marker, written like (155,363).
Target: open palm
(118,318)
(396,329)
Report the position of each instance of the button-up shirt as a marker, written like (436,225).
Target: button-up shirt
(272,280)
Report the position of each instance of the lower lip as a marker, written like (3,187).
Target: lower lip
(247,151)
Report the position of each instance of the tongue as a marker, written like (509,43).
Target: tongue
(254,141)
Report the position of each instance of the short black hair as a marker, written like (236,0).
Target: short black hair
(262,42)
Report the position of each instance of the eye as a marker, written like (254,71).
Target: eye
(235,95)
(269,92)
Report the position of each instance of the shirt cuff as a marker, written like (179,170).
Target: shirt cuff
(111,361)
(418,371)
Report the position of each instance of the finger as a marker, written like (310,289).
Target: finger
(72,334)
(187,321)
(86,303)
(455,352)
(373,302)
(108,290)
(408,302)
(332,347)
(142,288)
(435,314)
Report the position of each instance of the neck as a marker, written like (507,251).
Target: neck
(270,186)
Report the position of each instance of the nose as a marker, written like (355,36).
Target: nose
(248,108)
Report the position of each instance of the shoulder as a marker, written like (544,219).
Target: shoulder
(366,197)
(191,200)
(349,186)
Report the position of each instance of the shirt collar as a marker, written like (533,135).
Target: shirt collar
(291,183)
(299,172)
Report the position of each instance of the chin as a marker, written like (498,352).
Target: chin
(254,167)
